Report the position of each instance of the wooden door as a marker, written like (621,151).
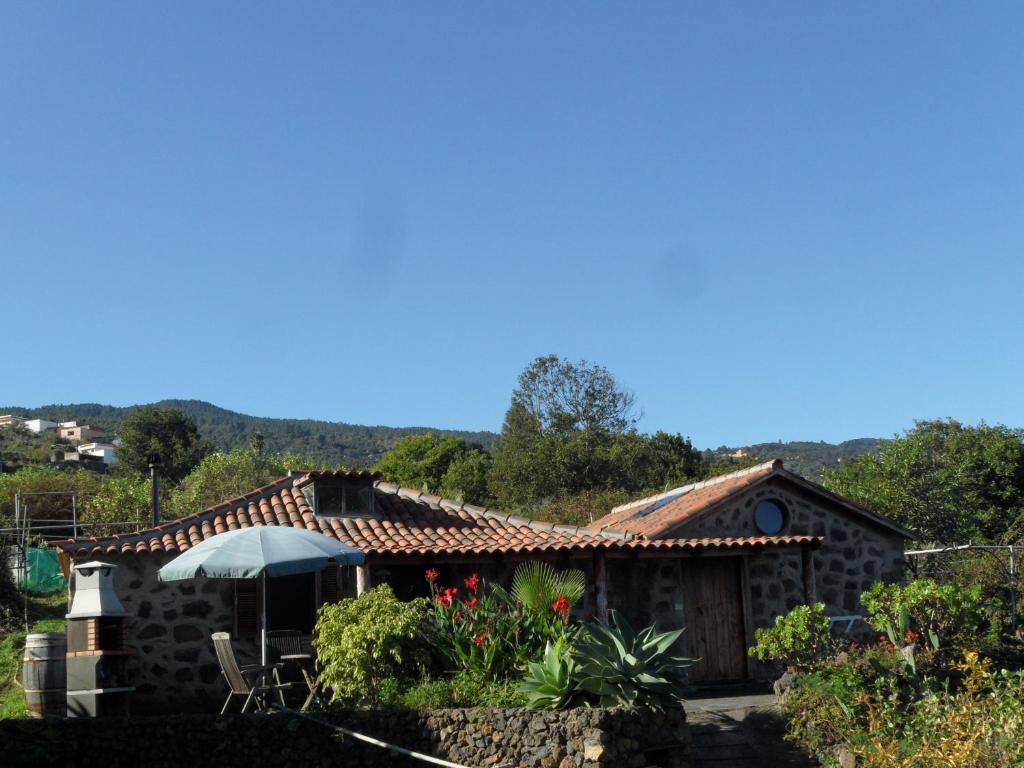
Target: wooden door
(715,632)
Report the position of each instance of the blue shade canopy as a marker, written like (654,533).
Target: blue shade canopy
(249,553)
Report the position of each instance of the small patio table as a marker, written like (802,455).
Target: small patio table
(291,648)
(304,662)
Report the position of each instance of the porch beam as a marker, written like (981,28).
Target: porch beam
(363,583)
(807,561)
(601,587)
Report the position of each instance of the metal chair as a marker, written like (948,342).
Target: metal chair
(254,681)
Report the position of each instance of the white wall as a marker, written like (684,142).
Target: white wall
(104,450)
(40,425)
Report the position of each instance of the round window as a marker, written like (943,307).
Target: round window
(769,516)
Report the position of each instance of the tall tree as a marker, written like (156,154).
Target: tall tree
(567,397)
(949,482)
(164,434)
(570,430)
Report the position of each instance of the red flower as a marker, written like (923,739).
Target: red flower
(457,616)
(432,575)
(479,639)
(473,581)
(561,607)
(471,603)
(446,597)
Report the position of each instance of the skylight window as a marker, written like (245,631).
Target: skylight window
(655,506)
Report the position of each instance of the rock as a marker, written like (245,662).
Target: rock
(187,633)
(784,683)
(198,609)
(846,758)
(151,631)
(592,751)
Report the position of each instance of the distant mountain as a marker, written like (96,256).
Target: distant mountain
(336,443)
(354,445)
(810,459)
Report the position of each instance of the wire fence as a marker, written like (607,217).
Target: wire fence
(996,568)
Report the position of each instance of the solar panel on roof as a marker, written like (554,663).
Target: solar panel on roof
(655,506)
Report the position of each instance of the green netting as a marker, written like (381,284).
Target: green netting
(43,572)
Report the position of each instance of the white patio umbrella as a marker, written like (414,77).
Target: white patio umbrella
(258,552)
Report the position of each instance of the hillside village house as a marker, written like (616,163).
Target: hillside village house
(720,557)
(32,425)
(78,433)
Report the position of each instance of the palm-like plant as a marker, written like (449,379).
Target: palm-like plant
(617,665)
(537,585)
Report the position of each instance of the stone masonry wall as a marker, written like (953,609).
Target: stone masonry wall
(169,627)
(514,738)
(648,591)
(853,556)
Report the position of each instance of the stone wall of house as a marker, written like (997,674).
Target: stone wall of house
(169,626)
(647,591)
(519,738)
(853,556)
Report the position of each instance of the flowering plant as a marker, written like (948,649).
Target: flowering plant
(486,630)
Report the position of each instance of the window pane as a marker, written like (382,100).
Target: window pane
(769,516)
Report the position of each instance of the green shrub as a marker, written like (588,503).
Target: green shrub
(825,707)
(461,690)
(798,639)
(980,723)
(946,614)
(360,642)
(426,694)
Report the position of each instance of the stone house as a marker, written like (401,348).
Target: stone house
(720,557)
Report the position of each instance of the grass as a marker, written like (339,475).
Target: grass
(45,614)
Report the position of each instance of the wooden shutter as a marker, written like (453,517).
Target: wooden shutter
(247,610)
(330,586)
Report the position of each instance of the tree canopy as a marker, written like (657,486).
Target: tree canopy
(572,397)
(221,476)
(950,483)
(570,430)
(165,434)
(446,466)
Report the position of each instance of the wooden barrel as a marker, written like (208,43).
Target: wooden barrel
(44,676)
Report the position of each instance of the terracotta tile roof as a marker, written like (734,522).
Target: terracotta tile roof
(656,515)
(405,522)
(659,515)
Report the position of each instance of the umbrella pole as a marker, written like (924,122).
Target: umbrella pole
(263,623)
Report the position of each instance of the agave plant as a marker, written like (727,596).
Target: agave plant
(617,665)
(537,585)
(550,684)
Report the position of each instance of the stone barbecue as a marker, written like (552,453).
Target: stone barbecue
(97,655)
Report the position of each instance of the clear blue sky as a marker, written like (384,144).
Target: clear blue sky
(769,220)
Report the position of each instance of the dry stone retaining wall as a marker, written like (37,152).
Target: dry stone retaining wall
(513,738)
